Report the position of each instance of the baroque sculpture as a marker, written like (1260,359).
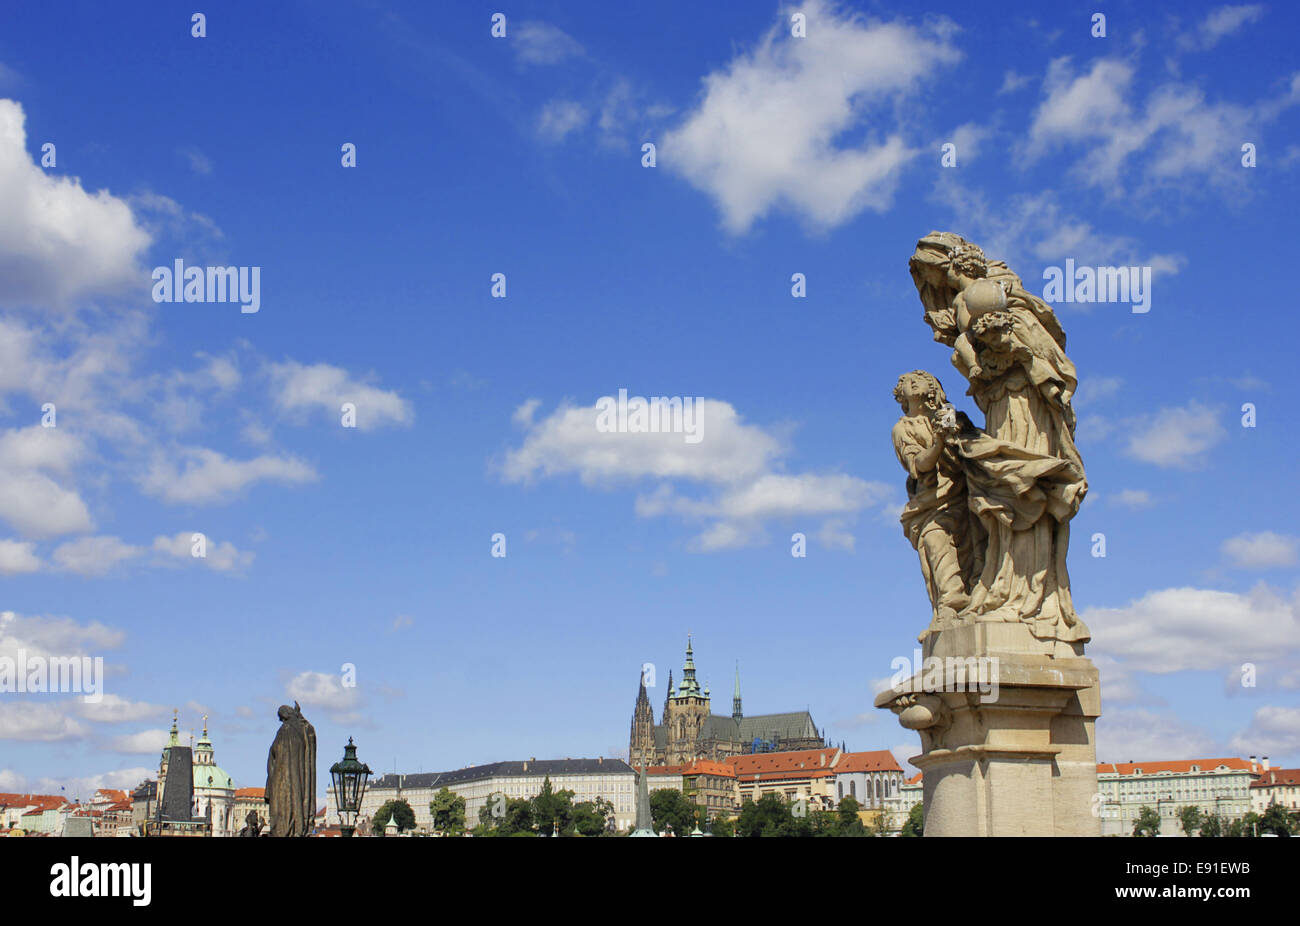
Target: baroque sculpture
(1005,702)
(989,508)
(291,774)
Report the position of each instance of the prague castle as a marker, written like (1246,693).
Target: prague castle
(690,730)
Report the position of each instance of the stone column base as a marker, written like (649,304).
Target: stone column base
(1017,758)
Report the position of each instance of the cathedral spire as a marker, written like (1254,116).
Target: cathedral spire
(689,686)
(736,712)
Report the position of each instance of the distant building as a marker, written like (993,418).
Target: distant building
(33,813)
(200,802)
(711,785)
(1216,786)
(689,729)
(144,803)
(588,779)
(254,800)
(910,794)
(1275,786)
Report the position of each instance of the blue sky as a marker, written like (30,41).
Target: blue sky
(522,155)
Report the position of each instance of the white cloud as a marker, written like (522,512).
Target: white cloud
(541,43)
(1140,735)
(37,506)
(1218,24)
(39,722)
(1033,228)
(1011,82)
(199,162)
(324,387)
(1264,550)
(221,557)
(323,690)
(93,556)
(734,461)
(558,118)
(146,741)
(766,133)
(568,442)
(82,787)
(17,558)
(111,708)
(1181,629)
(1176,132)
(1176,437)
(59,243)
(206,476)
(1132,498)
(54,636)
(1273,731)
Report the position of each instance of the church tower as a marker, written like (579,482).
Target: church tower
(736,713)
(641,746)
(685,714)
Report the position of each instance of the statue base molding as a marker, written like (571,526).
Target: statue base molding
(1017,758)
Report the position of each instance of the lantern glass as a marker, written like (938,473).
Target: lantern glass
(350,777)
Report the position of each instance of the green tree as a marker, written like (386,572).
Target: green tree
(1190,818)
(591,818)
(770,815)
(668,806)
(1247,826)
(722,826)
(1212,825)
(1148,822)
(398,810)
(448,811)
(553,810)
(914,825)
(848,823)
(1276,820)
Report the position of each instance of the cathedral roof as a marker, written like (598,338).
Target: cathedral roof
(793,725)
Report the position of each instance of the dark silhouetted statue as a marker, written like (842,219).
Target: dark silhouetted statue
(291,775)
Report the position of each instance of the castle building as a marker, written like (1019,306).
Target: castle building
(689,730)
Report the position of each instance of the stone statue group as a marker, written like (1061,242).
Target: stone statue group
(989,508)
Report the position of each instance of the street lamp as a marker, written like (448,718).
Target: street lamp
(350,778)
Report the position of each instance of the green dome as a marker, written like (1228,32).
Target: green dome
(219,778)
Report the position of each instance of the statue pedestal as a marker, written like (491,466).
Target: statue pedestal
(1017,758)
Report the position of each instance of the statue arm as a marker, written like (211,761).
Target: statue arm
(916,457)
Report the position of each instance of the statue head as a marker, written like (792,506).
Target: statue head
(923,385)
(968,260)
(284,713)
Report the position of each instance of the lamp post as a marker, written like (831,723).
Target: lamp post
(350,777)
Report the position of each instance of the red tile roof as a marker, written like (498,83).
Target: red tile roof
(709,767)
(259,793)
(1276,777)
(1181,766)
(765,763)
(879,760)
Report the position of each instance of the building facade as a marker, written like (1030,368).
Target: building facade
(689,730)
(588,779)
(1276,786)
(1216,786)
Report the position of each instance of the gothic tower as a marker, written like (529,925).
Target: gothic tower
(685,714)
(736,713)
(641,746)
